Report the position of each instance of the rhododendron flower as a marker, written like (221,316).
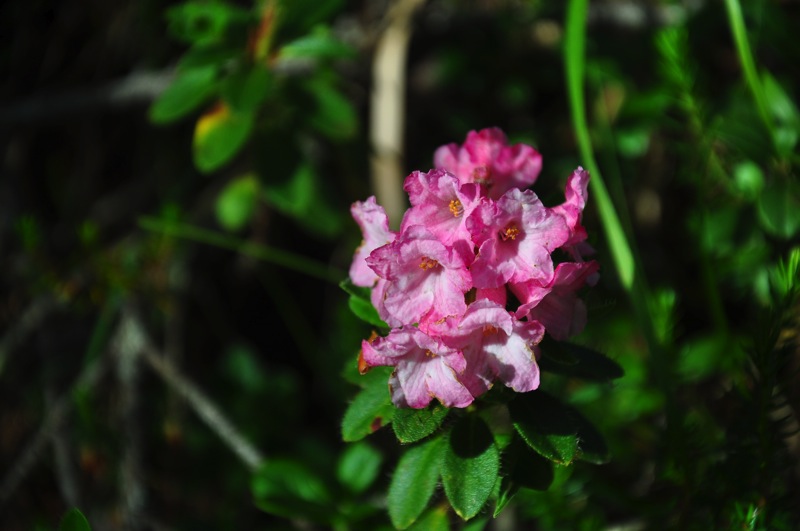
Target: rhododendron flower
(374,224)
(426,368)
(442,204)
(556,305)
(427,279)
(496,346)
(471,236)
(516,236)
(487,159)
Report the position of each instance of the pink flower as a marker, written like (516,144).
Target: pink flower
(426,368)
(371,218)
(442,204)
(427,280)
(515,236)
(487,159)
(556,305)
(496,346)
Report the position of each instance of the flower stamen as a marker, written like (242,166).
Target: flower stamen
(456,207)
(427,263)
(510,233)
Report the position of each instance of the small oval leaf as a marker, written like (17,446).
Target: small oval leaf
(370,410)
(543,423)
(414,481)
(471,465)
(412,425)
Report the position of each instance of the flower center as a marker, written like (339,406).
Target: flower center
(427,263)
(429,354)
(456,207)
(489,330)
(483,176)
(509,233)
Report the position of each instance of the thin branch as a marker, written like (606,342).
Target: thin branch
(387,122)
(204,407)
(88,378)
(127,345)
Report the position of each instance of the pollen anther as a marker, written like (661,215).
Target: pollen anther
(427,263)
(510,233)
(456,207)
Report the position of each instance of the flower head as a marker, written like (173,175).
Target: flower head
(486,158)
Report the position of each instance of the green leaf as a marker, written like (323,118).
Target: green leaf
(334,115)
(246,89)
(219,135)
(369,411)
(779,208)
(578,362)
(358,467)
(317,44)
(237,201)
(556,430)
(414,481)
(190,89)
(434,519)
(470,467)
(412,425)
(748,179)
(291,489)
(74,520)
(204,23)
(303,197)
(360,303)
(544,423)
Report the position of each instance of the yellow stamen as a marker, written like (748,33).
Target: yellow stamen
(429,354)
(510,233)
(427,263)
(456,208)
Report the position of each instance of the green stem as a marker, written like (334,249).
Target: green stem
(575,43)
(279,257)
(751,76)
(632,281)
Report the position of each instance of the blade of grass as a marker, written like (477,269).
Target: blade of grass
(279,257)
(575,40)
(621,250)
(751,76)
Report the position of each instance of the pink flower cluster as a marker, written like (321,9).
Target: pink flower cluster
(473,234)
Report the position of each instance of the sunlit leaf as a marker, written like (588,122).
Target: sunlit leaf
(434,519)
(359,466)
(414,481)
(246,89)
(544,423)
(412,425)
(191,88)
(204,23)
(219,135)
(471,465)
(74,520)
(317,44)
(237,201)
(779,208)
(369,411)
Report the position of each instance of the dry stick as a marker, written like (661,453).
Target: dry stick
(127,345)
(66,474)
(205,408)
(89,378)
(387,122)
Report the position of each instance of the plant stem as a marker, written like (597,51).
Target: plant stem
(279,257)
(751,76)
